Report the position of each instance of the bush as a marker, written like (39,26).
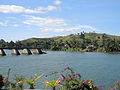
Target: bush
(68,79)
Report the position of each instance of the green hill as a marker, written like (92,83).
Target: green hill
(92,36)
(77,42)
(73,42)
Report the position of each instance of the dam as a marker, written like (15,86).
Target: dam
(25,51)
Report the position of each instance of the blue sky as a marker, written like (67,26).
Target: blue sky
(22,19)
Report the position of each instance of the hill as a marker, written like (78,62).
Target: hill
(92,36)
(77,42)
(73,42)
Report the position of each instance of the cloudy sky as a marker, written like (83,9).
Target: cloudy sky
(22,19)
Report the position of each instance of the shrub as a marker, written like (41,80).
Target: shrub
(1,81)
(72,81)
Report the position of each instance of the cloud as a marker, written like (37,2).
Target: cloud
(45,22)
(55,24)
(118,33)
(85,27)
(2,24)
(8,23)
(20,9)
(15,25)
(69,29)
(57,2)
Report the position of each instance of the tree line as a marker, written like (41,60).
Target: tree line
(74,42)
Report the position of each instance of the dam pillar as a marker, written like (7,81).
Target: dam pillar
(26,51)
(15,52)
(38,51)
(2,53)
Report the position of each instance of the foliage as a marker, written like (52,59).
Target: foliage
(8,85)
(1,81)
(53,84)
(31,81)
(68,79)
(74,42)
(6,80)
(117,84)
(72,81)
(16,84)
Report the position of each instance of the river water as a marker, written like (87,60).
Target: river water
(103,68)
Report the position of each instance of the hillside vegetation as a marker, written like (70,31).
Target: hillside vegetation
(74,42)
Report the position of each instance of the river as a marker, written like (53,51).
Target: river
(103,68)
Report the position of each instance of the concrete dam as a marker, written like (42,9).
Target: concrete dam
(25,51)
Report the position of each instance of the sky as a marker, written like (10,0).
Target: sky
(23,19)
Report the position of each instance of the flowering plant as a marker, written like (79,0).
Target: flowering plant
(1,81)
(53,83)
(31,81)
(72,81)
(6,80)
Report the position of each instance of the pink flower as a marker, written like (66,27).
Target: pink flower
(97,87)
(55,72)
(5,79)
(87,81)
(79,75)
(63,76)
(70,76)
(62,80)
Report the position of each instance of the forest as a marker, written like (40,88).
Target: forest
(86,42)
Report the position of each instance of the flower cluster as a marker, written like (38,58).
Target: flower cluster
(67,79)
(72,81)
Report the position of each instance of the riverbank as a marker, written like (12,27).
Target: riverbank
(84,50)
